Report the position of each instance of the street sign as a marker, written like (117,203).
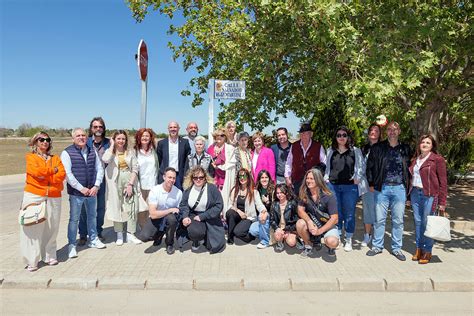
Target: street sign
(229,89)
(142,60)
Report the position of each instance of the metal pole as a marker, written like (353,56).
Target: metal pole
(211,112)
(143,111)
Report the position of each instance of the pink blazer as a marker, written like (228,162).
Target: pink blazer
(266,161)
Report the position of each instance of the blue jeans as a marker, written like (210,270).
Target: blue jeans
(261,230)
(100,213)
(368,201)
(346,196)
(391,197)
(422,207)
(76,203)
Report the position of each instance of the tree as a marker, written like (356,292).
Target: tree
(409,60)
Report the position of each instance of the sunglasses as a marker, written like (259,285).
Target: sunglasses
(344,135)
(42,139)
(97,126)
(242,176)
(199,178)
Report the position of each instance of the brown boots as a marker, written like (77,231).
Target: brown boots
(417,255)
(425,258)
(421,257)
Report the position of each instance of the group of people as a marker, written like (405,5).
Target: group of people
(182,189)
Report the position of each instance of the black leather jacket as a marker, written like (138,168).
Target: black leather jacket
(377,161)
(290,214)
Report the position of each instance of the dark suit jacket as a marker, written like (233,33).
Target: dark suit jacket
(162,151)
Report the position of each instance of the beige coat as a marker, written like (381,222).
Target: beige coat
(112,206)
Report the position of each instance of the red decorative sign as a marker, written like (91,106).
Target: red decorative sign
(142,60)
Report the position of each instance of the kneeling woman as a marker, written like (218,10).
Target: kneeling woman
(283,217)
(317,210)
(200,209)
(244,201)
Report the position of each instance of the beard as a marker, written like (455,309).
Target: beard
(192,134)
(99,134)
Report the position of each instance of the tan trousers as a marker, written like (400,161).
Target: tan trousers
(39,241)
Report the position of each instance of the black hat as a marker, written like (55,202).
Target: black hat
(243,134)
(305,127)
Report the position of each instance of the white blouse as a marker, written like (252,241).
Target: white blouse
(416,172)
(147,170)
(193,196)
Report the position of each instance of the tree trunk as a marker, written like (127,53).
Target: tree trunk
(427,120)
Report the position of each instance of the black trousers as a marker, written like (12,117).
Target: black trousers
(170,226)
(238,227)
(197,230)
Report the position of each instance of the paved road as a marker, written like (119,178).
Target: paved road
(134,302)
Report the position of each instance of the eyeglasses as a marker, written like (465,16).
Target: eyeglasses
(242,176)
(344,135)
(97,126)
(200,178)
(42,139)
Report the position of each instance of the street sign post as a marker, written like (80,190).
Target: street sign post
(223,89)
(142,62)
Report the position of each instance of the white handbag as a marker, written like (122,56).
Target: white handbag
(438,228)
(33,214)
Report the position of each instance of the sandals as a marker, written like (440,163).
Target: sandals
(31,269)
(52,262)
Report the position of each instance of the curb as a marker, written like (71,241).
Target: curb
(361,284)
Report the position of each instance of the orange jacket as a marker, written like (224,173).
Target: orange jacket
(40,176)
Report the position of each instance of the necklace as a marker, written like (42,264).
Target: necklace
(44,156)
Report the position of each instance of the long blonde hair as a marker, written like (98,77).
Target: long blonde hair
(320,183)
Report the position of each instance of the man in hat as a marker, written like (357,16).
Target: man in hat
(304,155)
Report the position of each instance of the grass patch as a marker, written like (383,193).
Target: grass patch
(13,151)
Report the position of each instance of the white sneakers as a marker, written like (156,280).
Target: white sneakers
(133,239)
(367,240)
(72,253)
(96,243)
(261,246)
(348,245)
(119,241)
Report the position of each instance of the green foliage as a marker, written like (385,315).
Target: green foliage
(332,62)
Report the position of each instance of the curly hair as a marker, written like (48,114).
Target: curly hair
(193,172)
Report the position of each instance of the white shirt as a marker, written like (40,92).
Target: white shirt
(289,161)
(416,172)
(147,170)
(173,151)
(71,179)
(164,200)
(193,196)
(254,160)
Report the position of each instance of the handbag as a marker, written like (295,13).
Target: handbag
(438,228)
(33,214)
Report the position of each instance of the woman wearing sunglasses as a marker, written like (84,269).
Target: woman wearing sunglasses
(44,181)
(121,176)
(345,171)
(244,203)
(201,208)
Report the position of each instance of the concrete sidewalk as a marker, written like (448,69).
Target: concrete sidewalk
(239,267)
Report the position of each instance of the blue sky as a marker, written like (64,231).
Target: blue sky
(64,62)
